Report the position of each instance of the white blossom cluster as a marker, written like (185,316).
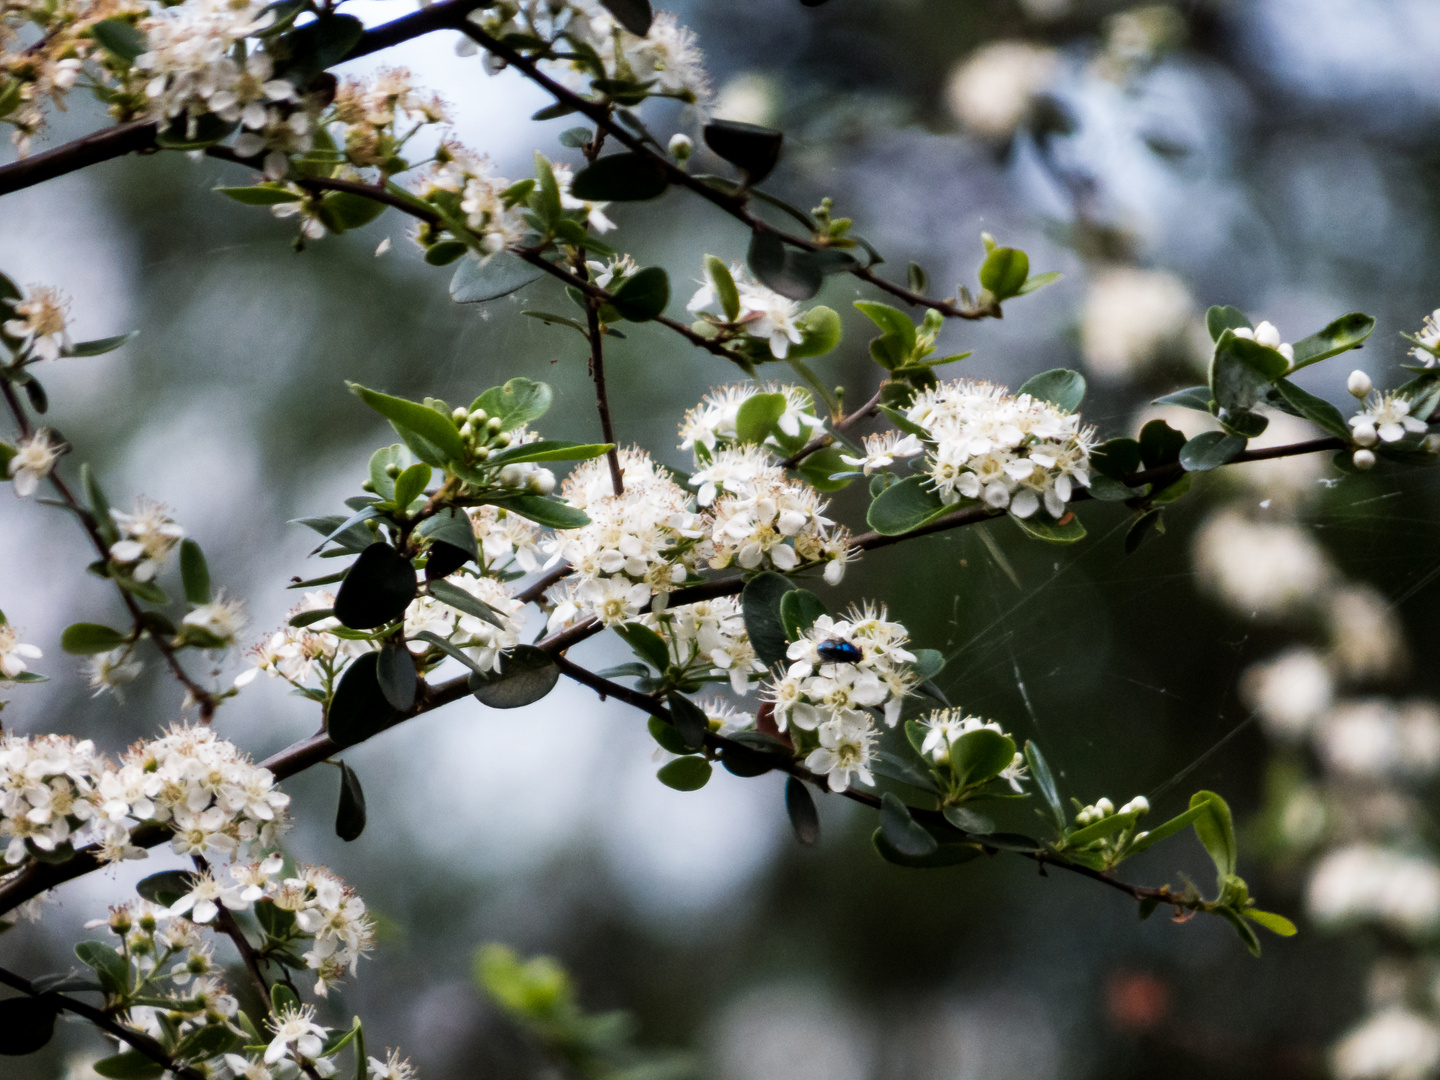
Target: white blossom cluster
(331,913)
(714,420)
(764,313)
(830,700)
(482,640)
(301,655)
(1395,1043)
(667,54)
(48,792)
(1366,882)
(639,545)
(458,171)
(371,109)
(1009,451)
(1383,417)
(1380,739)
(506,540)
(709,638)
(945,726)
(1132,318)
(1266,568)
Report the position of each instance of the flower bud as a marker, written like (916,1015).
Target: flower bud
(392,470)
(513,476)
(482,453)
(494,424)
(1085,817)
(478,417)
(681,146)
(1364,436)
(466,431)
(1359,384)
(367,485)
(1430,444)
(542,482)
(459,414)
(1138,805)
(1105,806)
(1364,459)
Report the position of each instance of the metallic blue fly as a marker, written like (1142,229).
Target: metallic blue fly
(840,651)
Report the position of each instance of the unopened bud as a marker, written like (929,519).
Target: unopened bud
(494,424)
(681,147)
(466,431)
(392,470)
(1430,444)
(1364,459)
(367,485)
(542,482)
(482,453)
(501,440)
(1359,384)
(478,417)
(1105,806)
(459,414)
(1364,436)
(1138,805)
(513,476)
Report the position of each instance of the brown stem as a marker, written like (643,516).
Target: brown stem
(137,1040)
(597,373)
(843,424)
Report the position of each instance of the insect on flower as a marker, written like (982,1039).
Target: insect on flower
(840,651)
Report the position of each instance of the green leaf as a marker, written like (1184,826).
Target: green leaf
(916,278)
(283,998)
(452,542)
(820,330)
(800,809)
(1209,450)
(1240,372)
(6,453)
(969,821)
(646,644)
(1317,410)
(981,755)
(1192,397)
(1004,272)
(477,280)
(377,589)
(187,133)
(551,512)
(1160,444)
(89,639)
(446,252)
(725,291)
(1345,333)
(1144,525)
(668,738)
(902,770)
(166,887)
(625,177)
(100,346)
(206,1042)
(752,149)
(760,604)
(341,211)
(410,484)
(901,831)
(685,774)
(1101,829)
(799,608)
(756,418)
(112,968)
(131,1065)
(1061,387)
(119,37)
(194,573)
(892,321)
(1242,928)
(526,675)
(395,672)
(545,196)
(575,137)
(1276,924)
(518,402)
(690,720)
(820,468)
(359,708)
(1036,282)
(430,424)
(905,506)
(1216,830)
(464,600)
(350,814)
(1167,829)
(1045,783)
(943,855)
(99,505)
(1220,319)
(643,295)
(1052,532)
(780,269)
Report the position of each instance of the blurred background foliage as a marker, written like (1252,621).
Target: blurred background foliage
(1278,155)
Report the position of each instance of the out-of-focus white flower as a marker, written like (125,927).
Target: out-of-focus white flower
(991,92)
(1377,739)
(1266,334)
(114,669)
(221,619)
(1393,1044)
(881,451)
(14,653)
(1385,418)
(394,1067)
(33,460)
(1290,693)
(1366,638)
(1131,317)
(1365,882)
(1288,482)
(40,322)
(1262,569)
(147,538)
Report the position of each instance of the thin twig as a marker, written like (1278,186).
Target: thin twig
(597,373)
(844,424)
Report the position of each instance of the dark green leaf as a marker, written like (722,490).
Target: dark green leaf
(760,603)
(310,618)
(1209,450)
(112,968)
(377,589)
(745,761)
(551,512)
(894,767)
(780,270)
(646,644)
(395,672)
(430,424)
(445,252)
(753,150)
(1192,397)
(1242,928)
(799,608)
(1004,272)
(206,1042)
(1167,829)
(576,137)
(478,280)
(725,290)
(26,1025)
(35,393)
(1220,319)
(1045,783)
(341,211)
(643,295)
(88,639)
(194,133)
(894,322)
(166,887)
(1051,532)
(119,37)
(969,821)
(131,1065)
(916,278)
(323,43)
(666,735)
(464,600)
(359,709)
(1145,524)
(350,814)
(904,834)
(1317,410)
(526,675)
(685,774)
(800,808)
(1061,387)
(943,855)
(548,450)
(1240,372)
(283,999)
(100,346)
(1118,459)
(905,506)
(690,720)
(980,755)
(1345,333)
(194,573)
(1160,444)
(623,177)
(344,531)
(1101,829)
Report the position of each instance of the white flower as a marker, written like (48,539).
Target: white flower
(221,619)
(764,313)
(40,323)
(991,92)
(1365,882)
(1261,568)
(944,726)
(394,1067)
(1385,417)
(815,690)
(1131,318)
(1377,739)
(147,538)
(1366,638)
(1290,693)
(202,903)
(1393,1044)
(774,522)
(881,451)
(33,460)
(846,743)
(14,653)
(296,1035)
(114,669)
(709,638)
(1428,340)
(594,211)
(1266,334)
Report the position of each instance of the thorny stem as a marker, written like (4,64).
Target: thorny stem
(139,1041)
(597,372)
(202,697)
